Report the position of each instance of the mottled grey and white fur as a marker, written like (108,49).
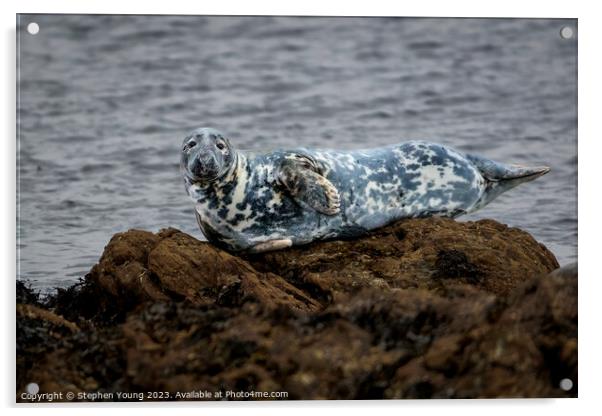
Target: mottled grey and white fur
(266,201)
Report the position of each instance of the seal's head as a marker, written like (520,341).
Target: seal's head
(206,155)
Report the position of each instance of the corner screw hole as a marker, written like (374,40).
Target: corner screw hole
(566,32)
(566,384)
(33,28)
(32,388)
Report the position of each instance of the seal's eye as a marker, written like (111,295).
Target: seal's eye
(220,145)
(189,145)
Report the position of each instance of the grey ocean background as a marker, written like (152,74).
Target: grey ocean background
(105,101)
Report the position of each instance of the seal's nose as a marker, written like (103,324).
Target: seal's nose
(202,166)
(196,167)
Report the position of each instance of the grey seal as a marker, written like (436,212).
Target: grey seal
(248,201)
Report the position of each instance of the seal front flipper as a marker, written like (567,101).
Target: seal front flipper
(302,178)
(271,245)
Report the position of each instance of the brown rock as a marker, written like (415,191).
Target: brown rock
(425,308)
(37,313)
(434,253)
(139,266)
(443,351)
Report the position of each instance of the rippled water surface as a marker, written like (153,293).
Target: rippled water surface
(105,101)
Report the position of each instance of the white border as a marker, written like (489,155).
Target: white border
(590,70)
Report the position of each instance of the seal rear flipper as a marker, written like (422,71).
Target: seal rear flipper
(496,172)
(308,187)
(501,177)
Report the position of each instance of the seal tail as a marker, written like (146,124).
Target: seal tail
(501,177)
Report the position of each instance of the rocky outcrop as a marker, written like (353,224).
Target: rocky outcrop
(425,308)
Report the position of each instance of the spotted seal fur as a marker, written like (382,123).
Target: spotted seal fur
(257,202)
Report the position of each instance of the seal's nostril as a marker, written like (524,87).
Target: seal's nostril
(197,169)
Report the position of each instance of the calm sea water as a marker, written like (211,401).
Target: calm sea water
(105,101)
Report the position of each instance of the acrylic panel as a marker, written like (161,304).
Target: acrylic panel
(295,208)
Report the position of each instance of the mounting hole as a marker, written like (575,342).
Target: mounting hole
(33,28)
(566,384)
(566,32)
(32,388)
